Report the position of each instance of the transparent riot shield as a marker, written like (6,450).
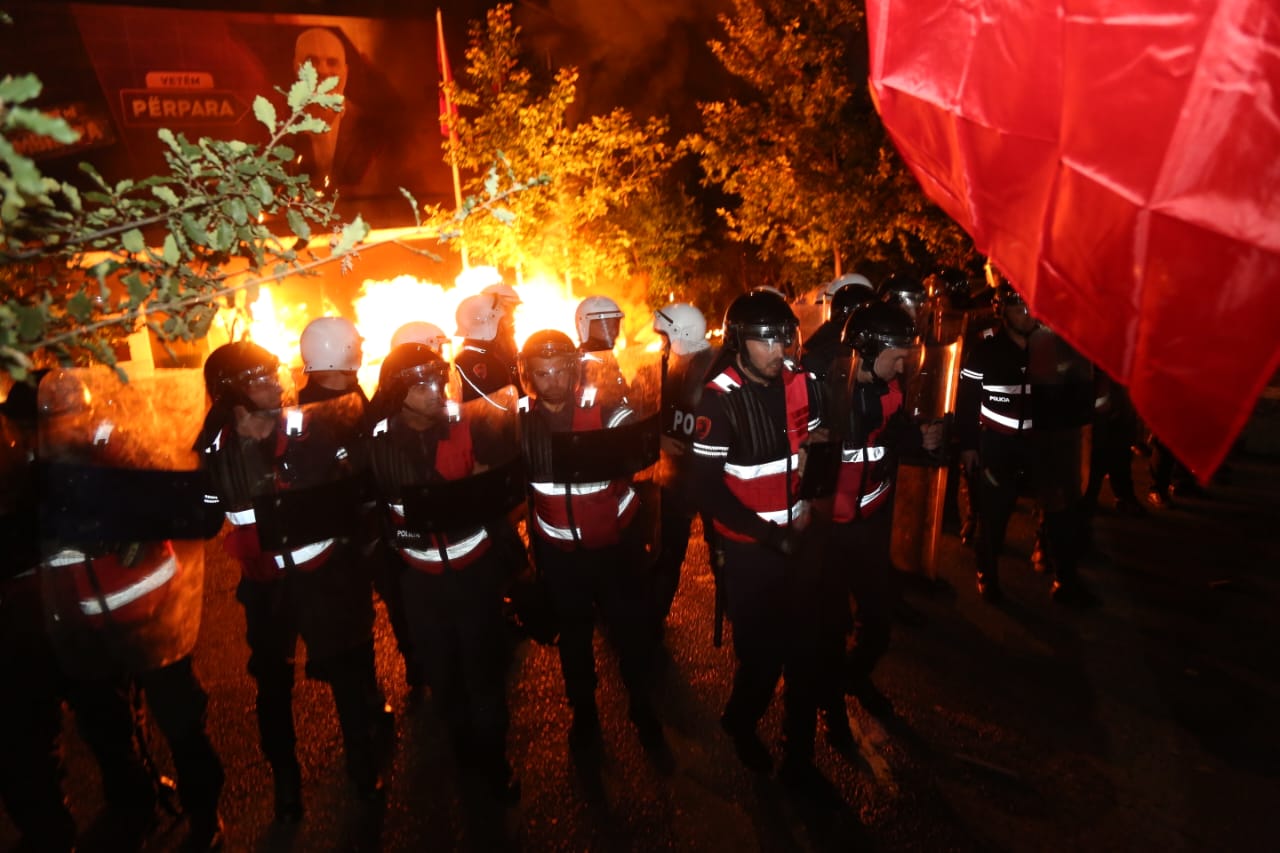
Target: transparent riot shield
(306,488)
(122,515)
(624,447)
(1062,412)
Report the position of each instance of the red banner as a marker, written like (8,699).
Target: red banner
(1120,163)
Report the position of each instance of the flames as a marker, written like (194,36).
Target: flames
(384,306)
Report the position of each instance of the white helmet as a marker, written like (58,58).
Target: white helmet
(506,294)
(478,317)
(418,332)
(593,309)
(330,343)
(684,326)
(847,279)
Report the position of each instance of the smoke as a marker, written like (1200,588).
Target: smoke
(650,56)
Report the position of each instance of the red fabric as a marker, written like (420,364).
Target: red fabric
(851,484)
(1117,160)
(448,112)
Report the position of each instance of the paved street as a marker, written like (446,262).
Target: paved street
(1147,723)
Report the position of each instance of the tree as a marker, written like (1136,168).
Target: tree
(816,181)
(81,269)
(606,210)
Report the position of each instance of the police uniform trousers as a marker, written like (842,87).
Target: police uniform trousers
(611,579)
(456,621)
(387,584)
(31,721)
(773,604)
(1050,461)
(859,564)
(331,608)
(675,525)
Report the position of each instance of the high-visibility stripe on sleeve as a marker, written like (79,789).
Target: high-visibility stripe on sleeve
(710,451)
(151,581)
(765,469)
(1007,389)
(1011,423)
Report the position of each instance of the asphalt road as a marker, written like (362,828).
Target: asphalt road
(1147,723)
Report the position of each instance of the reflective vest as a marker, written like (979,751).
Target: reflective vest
(865,478)
(241,542)
(587,515)
(455,550)
(106,590)
(769,487)
(996,375)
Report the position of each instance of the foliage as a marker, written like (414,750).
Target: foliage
(603,210)
(83,268)
(816,180)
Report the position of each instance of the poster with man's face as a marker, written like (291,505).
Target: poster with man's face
(120,73)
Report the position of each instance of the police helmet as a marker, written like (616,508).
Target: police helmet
(407,365)
(761,315)
(953,285)
(478,317)
(844,300)
(420,332)
(905,290)
(330,343)
(683,325)
(876,326)
(598,310)
(231,367)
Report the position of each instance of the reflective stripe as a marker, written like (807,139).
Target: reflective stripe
(714,451)
(588,397)
(626,502)
(1011,423)
(879,490)
(554,532)
(971,374)
(1008,389)
(293,422)
(452,411)
(303,554)
(242,517)
(452,552)
(212,499)
(66,557)
(618,417)
(724,382)
(815,423)
(102,435)
(573,489)
(855,454)
(782,516)
(380,427)
(1099,402)
(767,469)
(522,405)
(153,580)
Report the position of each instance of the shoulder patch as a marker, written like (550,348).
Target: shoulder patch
(702,426)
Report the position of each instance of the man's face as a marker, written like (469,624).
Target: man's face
(553,378)
(425,399)
(326,54)
(265,392)
(765,358)
(1019,319)
(890,362)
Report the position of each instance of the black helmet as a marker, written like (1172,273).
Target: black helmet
(229,369)
(905,290)
(408,365)
(1005,297)
(759,315)
(877,326)
(951,284)
(844,300)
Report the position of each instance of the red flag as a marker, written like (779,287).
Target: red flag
(448,112)
(1118,162)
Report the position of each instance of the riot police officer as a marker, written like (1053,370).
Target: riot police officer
(753,424)
(300,574)
(686,360)
(1020,409)
(585,538)
(874,432)
(451,573)
(483,362)
(823,347)
(599,323)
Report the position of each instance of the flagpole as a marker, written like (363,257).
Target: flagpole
(446,114)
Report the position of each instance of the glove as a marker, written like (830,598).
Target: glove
(783,541)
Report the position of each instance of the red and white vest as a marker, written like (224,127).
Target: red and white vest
(863,486)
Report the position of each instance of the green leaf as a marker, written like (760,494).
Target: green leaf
(73,196)
(19,89)
(166,195)
(299,94)
(165,135)
(283,153)
(263,190)
(298,225)
(170,252)
(264,112)
(137,288)
(223,237)
(413,205)
(352,233)
(80,306)
(133,242)
(31,322)
(194,230)
(236,210)
(503,215)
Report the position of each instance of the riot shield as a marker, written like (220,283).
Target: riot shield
(122,513)
(1062,412)
(312,491)
(19,517)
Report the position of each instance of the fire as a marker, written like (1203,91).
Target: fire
(384,306)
